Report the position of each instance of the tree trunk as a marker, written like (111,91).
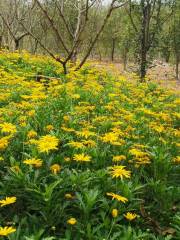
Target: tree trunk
(0,42)
(167,56)
(144,42)
(125,54)
(16,44)
(177,66)
(35,47)
(113,49)
(125,62)
(74,57)
(64,67)
(143,65)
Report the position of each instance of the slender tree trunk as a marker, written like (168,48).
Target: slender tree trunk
(125,62)
(177,66)
(143,65)
(144,50)
(35,47)
(64,67)
(113,49)
(125,57)
(167,56)
(16,41)
(74,57)
(0,42)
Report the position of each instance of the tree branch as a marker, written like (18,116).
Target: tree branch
(52,25)
(129,12)
(111,8)
(64,20)
(42,45)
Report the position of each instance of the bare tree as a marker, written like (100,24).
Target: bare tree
(75,31)
(106,18)
(175,33)
(11,13)
(148,25)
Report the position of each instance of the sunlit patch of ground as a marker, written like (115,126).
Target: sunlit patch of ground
(161,73)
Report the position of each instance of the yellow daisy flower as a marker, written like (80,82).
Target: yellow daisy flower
(5,231)
(119,171)
(81,158)
(33,161)
(72,221)
(55,168)
(130,216)
(117,197)
(7,201)
(47,143)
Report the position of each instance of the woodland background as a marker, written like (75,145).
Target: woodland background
(137,32)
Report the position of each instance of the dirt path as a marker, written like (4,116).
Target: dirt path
(161,73)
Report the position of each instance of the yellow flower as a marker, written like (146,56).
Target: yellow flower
(47,143)
(31,113)
(177,159)
(4,231)
(33,161)
(109,137)
(159,128)
(72,221)
(137,153)
(76,144)
(55,168)
(89,143)
(32,134)
(139,156)
(119,158)
(114,213)
(130,216)
(3,143)
(49,128)
(23,124)
(66,118)
(67,159)
(8,128)
(119,171)
(85,133)
(75,96)
(7,201)
(81,158)
(67,129)
(15,168)
(69,196)
(117,197)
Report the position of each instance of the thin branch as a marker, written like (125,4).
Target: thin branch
(52,25)
(64,20)
(22,36)
(7,25)
(129,12)
(111,8)
(41,44)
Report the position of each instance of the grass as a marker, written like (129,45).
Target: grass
(86,156)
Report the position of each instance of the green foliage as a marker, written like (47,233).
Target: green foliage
(100,121)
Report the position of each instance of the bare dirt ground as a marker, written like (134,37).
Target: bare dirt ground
(161,73)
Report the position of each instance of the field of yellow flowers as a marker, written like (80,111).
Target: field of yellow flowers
(86,156)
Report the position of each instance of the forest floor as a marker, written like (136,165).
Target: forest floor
(161,73)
